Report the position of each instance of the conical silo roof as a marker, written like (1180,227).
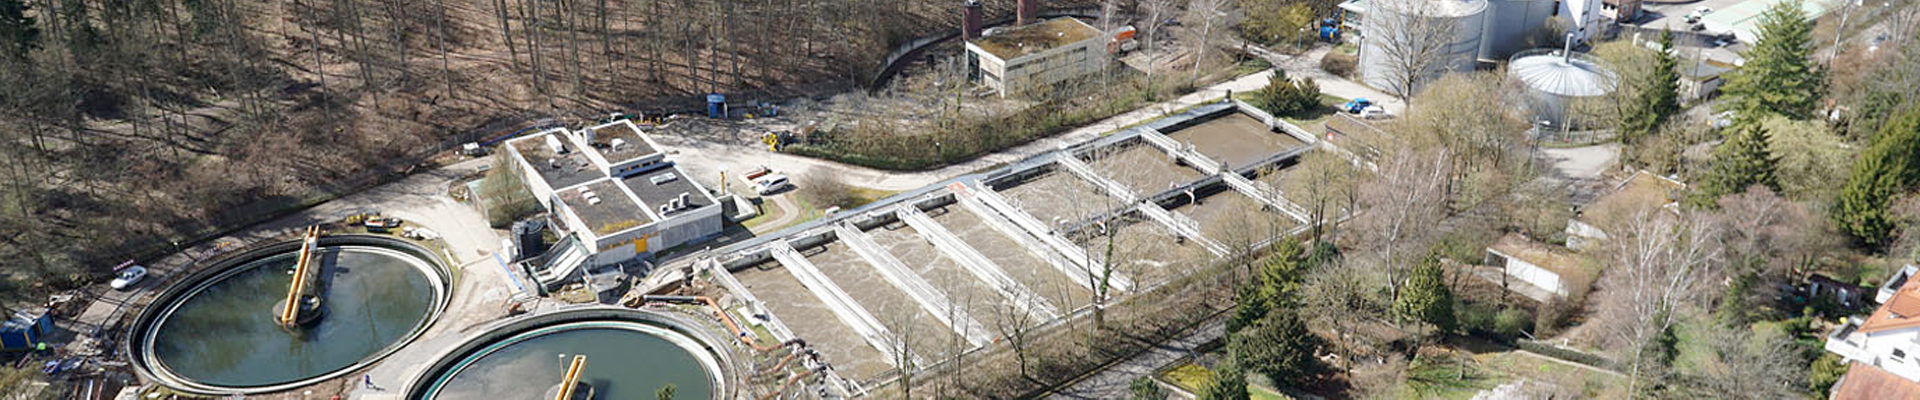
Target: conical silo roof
(1554,72)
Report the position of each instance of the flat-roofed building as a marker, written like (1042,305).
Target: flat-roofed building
(1013,60)
(613,195)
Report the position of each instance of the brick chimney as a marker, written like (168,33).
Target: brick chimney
(970,22)
(1029,12)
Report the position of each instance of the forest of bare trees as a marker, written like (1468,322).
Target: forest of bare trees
(133,125)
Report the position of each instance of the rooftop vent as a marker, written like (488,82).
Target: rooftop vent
(663,178)
(615,144)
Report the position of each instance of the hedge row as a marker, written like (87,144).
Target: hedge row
(1550,350)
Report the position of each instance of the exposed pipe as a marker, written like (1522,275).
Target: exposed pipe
(1566,52)
(724,317)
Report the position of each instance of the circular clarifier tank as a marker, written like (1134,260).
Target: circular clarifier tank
(215,332)
(630,355)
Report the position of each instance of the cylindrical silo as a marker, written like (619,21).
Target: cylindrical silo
(1555,79)
(1509,23)
(1396,31)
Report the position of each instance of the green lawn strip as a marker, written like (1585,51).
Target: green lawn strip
(1443,381)
(1188,376)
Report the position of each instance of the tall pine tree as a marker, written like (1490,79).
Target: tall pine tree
(1778,76)
(1885,169)
(1742,161)
(1426,297)
(1659,96)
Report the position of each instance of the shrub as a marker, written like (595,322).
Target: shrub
(823,190)
(1477,318)
(1825,372)
(1283,96)
(1339,64)
(1512,321)
(1563,353)
(504,194)
(1143,388)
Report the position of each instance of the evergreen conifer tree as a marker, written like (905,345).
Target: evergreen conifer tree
(1658,100)
(1229,383)
(1885,169)
(1778,76)
(1426,297)
(1743,160)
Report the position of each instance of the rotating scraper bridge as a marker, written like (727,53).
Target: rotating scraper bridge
(945,260)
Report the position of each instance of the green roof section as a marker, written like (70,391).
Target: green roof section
(1034,38)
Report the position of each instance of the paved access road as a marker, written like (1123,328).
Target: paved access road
(1112,383)
(744,154)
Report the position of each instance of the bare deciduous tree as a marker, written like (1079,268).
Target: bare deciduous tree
(1211,14)
(1015,326)
(1659,261)
(1402,205)
(1411,39)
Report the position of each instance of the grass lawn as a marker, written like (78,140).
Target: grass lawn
(768,212)
(1590,382)
(1188,376)
(1443,381)
(1263,393)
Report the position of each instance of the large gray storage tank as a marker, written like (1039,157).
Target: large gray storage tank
(1386,21)
(1509,24)
(1555,79)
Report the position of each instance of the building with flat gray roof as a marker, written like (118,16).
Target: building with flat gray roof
(611,189)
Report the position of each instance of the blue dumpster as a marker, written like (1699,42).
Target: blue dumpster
(25,328)
(716,105)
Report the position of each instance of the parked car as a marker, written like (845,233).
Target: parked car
(771,183)
(1374,112)
(381,224)
(128,277)
(1698,13)
(1355,106)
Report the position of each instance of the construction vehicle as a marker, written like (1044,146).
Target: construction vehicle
(1123,40)
(1329,30)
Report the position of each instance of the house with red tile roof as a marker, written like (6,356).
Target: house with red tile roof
(1884,347)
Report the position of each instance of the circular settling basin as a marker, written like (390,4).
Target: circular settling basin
(625,360)
(219,335)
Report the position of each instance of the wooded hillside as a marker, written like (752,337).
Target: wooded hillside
(134,123)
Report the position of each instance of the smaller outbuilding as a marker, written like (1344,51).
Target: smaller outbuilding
(1015,59)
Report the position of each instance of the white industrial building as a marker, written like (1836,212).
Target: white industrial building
(1476,31)
(1015,59)
(613,196)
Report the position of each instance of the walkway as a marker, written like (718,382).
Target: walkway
(1308,66)
(1112,382)
(741,155)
